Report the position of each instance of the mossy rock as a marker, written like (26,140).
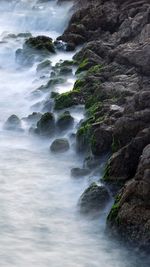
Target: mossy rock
(83,66)
(65,121)
(67,100)
(96,69)
(94,198)
(79,84)
(83,137)
(60,145)
(68,63)
(46,124)
(54,94)
(65,70)
(52,83)
(41,43)
(46,64)
(113,214)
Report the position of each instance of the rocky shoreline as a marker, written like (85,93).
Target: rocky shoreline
(114,84)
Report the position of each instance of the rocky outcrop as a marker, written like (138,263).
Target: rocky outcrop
(114,84)
(130,216)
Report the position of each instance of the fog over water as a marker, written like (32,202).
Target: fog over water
(39,221)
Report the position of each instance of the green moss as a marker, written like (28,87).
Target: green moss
(78,84)
(41,43)
(95,69)
(83,66)
(54,94)
(68,63)
(92,110)
(113,212)
(91,100)
(66,100)
(83,136)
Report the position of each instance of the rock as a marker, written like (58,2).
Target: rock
(60,145)
(130,216)
(13,123)
(101,140)
(33,118)
(46,125)
(94,198)
(68,99)
(128,126)
(65,71)
(42,43)
(65,121)
(123,164)
(79,172)
(35,48)
(43,66)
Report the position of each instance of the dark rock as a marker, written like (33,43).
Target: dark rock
(65,121)
(94,198)
(79,172)
(41,43)
(43,66)
(123,164)
(130,216)
(60,145)
(46,125)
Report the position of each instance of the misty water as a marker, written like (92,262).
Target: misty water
(39,221)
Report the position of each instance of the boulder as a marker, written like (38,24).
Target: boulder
(42,43)
(13,123)
(94,198)
(65,121)
(60,145)
(46,125)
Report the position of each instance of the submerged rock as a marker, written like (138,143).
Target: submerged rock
(41,43)
(60,145)
(43,66)
(65,121)
(79,172)
(13,123)
(94,198)
(46,125)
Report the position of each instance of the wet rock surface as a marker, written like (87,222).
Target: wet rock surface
(46,125)
(93,199)
(60,145)
(114,84)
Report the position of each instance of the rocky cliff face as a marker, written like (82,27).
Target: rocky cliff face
(114,83)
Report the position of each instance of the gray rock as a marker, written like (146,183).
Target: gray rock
(13,123)
(79,172)
(60,145)
(94,198)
